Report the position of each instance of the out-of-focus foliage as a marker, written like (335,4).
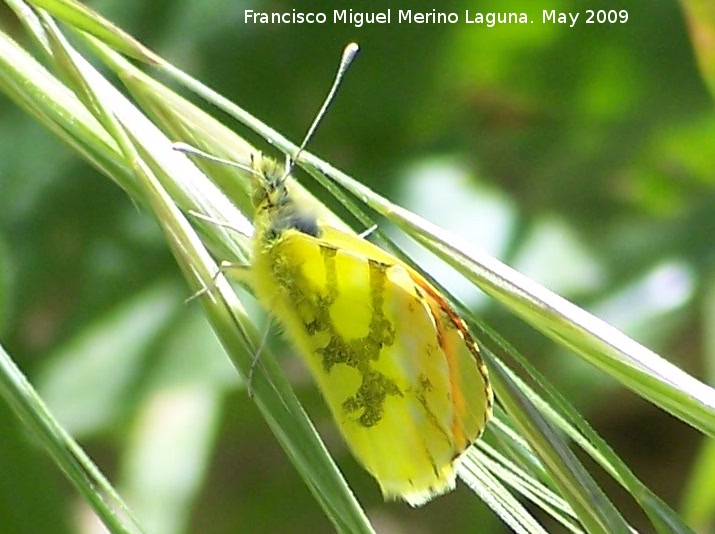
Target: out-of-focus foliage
(582,156)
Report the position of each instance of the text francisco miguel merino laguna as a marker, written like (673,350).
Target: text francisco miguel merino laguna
(404,16)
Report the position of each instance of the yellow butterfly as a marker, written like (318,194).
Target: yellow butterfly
(397,366)
(395,363)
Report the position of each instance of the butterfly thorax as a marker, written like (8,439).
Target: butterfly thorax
(276,210)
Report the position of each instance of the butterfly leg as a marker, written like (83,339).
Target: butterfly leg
(367,232)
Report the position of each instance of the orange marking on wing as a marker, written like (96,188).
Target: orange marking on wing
(438,303)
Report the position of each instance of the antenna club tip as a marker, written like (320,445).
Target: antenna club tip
(351,50)
(185,148)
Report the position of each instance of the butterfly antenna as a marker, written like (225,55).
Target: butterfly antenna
(188,149)
(348,55)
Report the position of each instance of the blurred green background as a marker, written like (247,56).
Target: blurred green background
(581,156)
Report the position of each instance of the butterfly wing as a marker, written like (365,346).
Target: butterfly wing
(395,363)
